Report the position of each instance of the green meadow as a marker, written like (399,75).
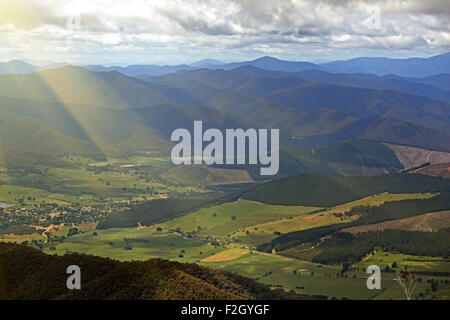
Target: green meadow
(220,236)
(264,232)
(414,263)
(227,218)
(134,244)
(11,193)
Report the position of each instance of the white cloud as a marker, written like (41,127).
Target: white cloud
(146,29)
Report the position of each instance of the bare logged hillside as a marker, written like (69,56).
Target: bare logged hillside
(429,222)
(412,157)
(438,170)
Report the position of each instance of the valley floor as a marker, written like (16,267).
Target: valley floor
(49,213)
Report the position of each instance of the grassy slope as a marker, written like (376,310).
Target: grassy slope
(368,215)
(246,213)
(14,159)
(31,135)
(77,85)
(265,232)
(145,243)
(255,265)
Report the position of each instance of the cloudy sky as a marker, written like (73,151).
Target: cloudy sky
(183,31)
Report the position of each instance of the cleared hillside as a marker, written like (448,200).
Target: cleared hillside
(436,170)
(430,222)
(412,157)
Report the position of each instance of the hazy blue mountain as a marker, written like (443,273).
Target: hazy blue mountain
(16,67)
(310,114)
(284,89)
(266,63)
(140,70)
(433,87)
(182,89)
(384,129)
(441,81)
(21,67)
(364,102)
(437,86)
(120,112)
(412,67)
(205,63)
(273,64)
(376,82)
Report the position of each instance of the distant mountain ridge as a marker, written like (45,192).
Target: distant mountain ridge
(272,64)
(417,86)
(412,67)
(71,110)
(20,67)
(281,101)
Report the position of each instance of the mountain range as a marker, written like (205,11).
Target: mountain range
(412,67)
(74,110)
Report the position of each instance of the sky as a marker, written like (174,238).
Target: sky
(183,31)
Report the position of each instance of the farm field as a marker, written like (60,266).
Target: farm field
(264,232)
(254,264)
(132,161)
(222,236)
(350,285)
(134,244)
(272,269)
(227,255)
(52,230)
(227,218)
(109,183)
(12,193)
(414,263)
(325,280)
(90,182)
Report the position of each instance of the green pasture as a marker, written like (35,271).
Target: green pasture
(227,218)
(145,243)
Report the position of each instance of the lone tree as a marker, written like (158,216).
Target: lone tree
(407,281)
